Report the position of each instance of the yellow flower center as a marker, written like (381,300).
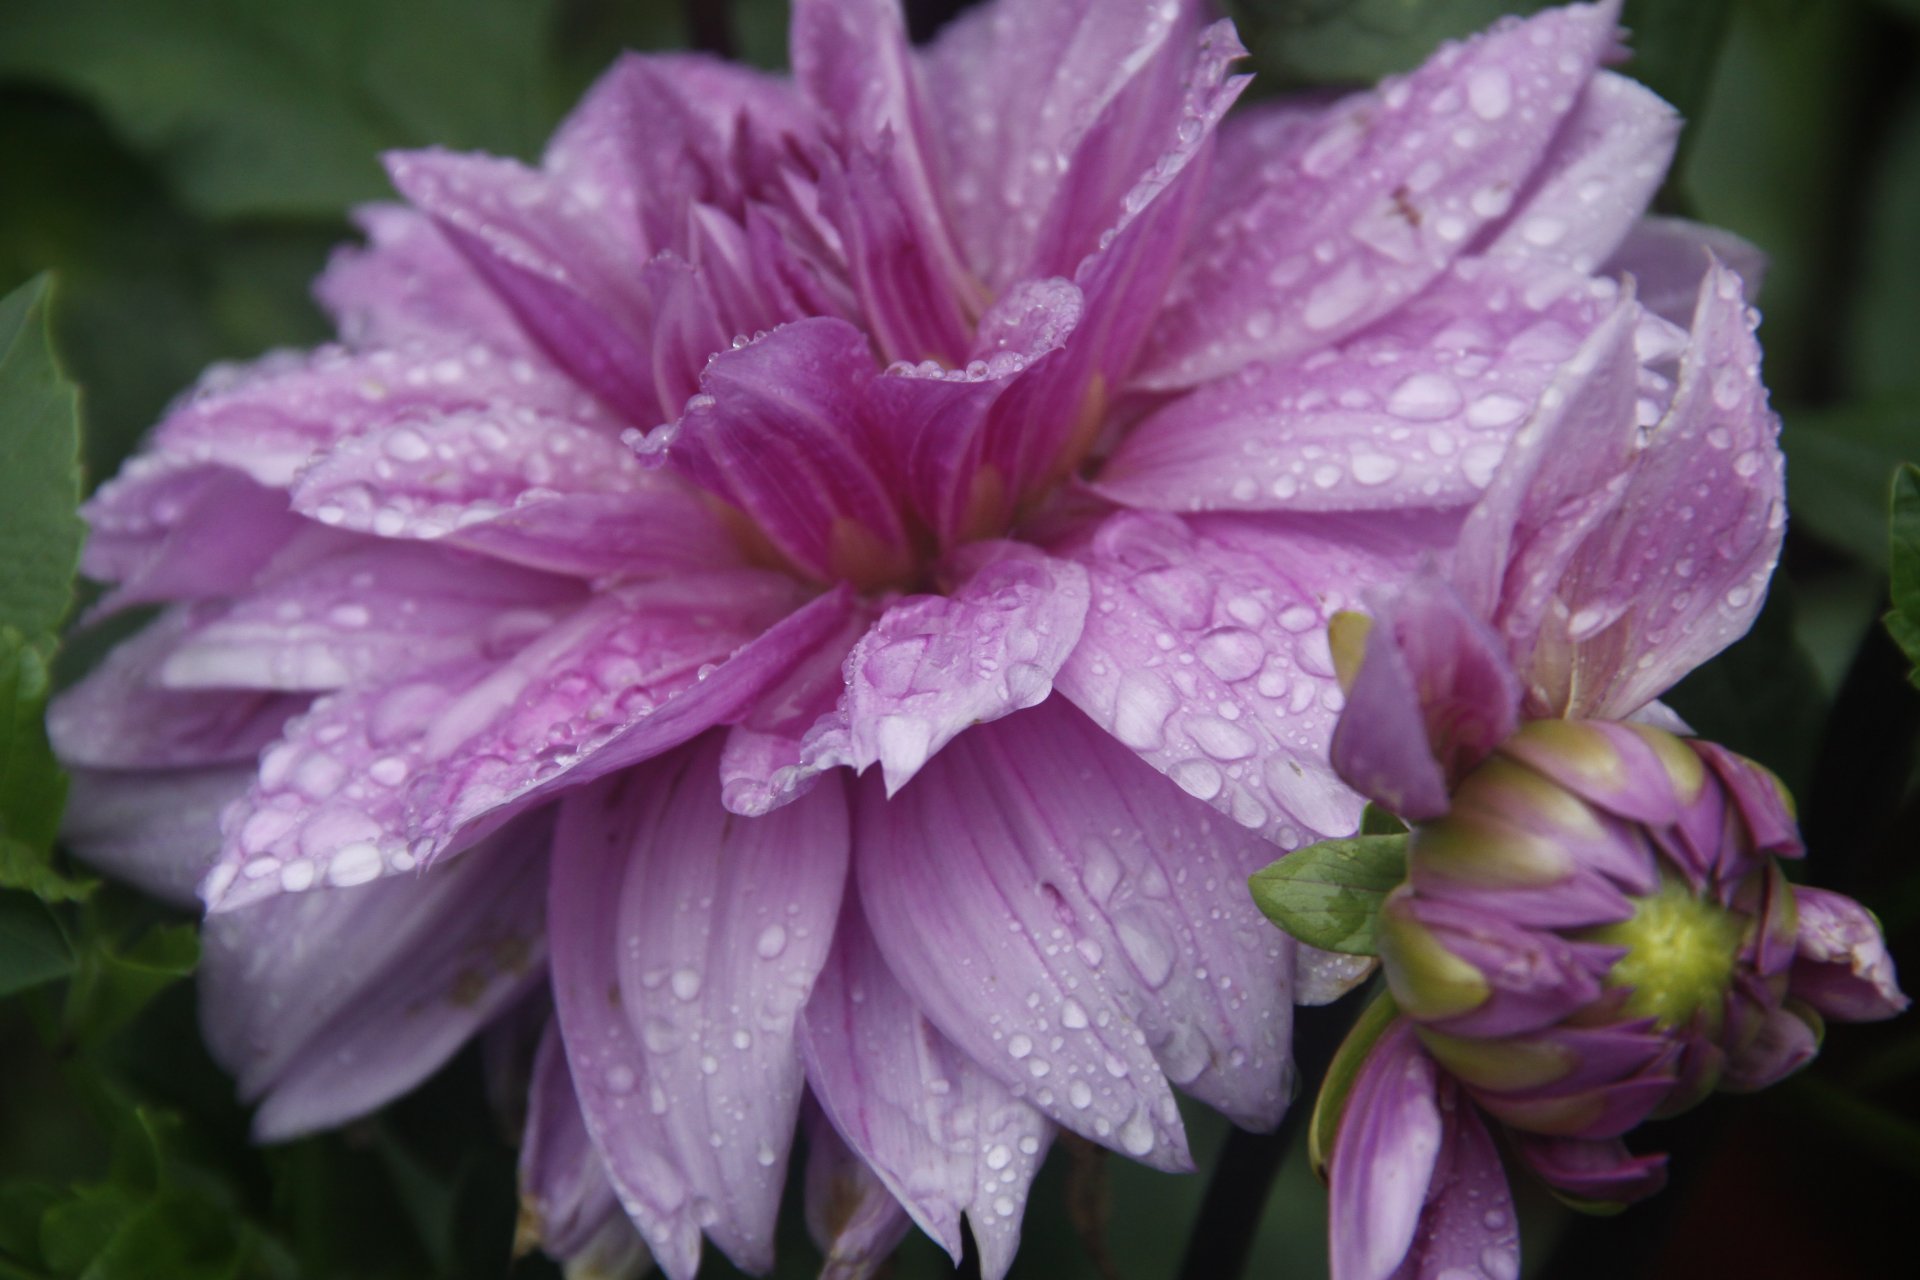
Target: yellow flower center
(1680,955)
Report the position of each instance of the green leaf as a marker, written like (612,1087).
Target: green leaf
(115,980)
(33,948)
(40,531)
(1328,894)
(1903,620)
(1836,455)
(258,109)
(1356,41)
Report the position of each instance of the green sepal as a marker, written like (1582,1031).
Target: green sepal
(1328,894)
(1341,1073)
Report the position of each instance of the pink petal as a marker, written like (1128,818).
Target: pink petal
(1601,1170)
(408,285)
(1058,928)
(158,830)
(659,132)
(960,443)
(1049,422)
(1668,257)
(520,486)
(1397,180)
(380,779)
(1561,479)
(1019,87)
(1467,1226)
(1433,697)
(563,1182)
(781,430)
(852,1217)
(933,666)
(686,942)
(388,981)
(1842,967)
(943,1136)
(544,254)
(121,716)
(1414,411)
(1205,651)
(1600,173)
(371,614)
(1384,1158)
(1680,570)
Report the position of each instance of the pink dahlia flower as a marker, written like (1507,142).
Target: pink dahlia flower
(1594,929)
(540,636)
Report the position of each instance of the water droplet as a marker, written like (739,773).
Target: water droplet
(686,983)
(771,942)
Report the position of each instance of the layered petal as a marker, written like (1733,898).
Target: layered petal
(781,430)
(156,829)
(933,666)
(686,943)
(1668,257)
(1433,696)
(1602,1172)
(124,716)
(1020,87)
(944,1136)
(1205,651)
(1414,411)
(1601,171)
(1467,1223)
(1384,1158)
(1372,204)
(1841,966)
(407,284)
(1071,931)
(381,778)
(852,1217)
(566,1202)
(387,981)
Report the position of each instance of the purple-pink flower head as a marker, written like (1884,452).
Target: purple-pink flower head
(1594,928)
(513,646)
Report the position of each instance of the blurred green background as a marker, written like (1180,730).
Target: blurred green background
(183,167)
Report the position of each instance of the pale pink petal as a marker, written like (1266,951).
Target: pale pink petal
(1125,969)
(686,941)
(1668,257)
(121,716)
(1019,86)
(851,58)
(1039,433)
(379,779)
(1680,570)
(1433,697)
(657,133)
(943,421)
(933,666)
(566,1202)
(1396,181)
(1842,967)
(1414,411)
(943,1136)
(370,614)
(1599,1170)
(1562,478)
(520,486)
(1602,170)
(1206,652)
(156,829)
(1467,1226)
(407,284)
(1384,1157)
(388,981)
(852,1217)
(781,430)
(540,248)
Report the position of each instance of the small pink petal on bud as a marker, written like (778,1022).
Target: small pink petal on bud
(1841,966)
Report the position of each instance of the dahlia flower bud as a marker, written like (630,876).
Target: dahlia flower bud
(1598,932)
